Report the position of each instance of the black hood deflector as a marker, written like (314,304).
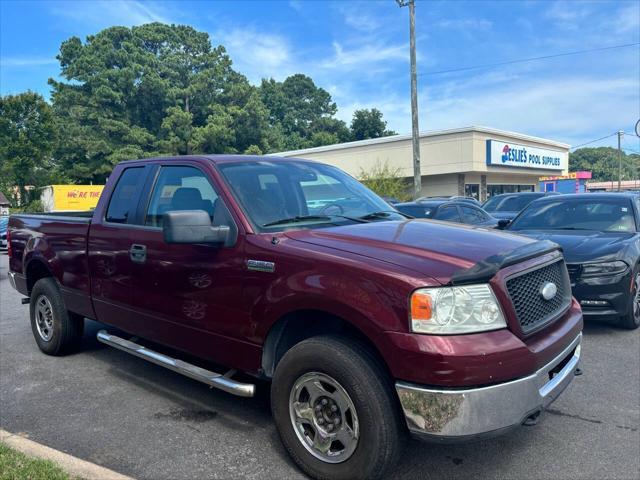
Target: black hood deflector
(484,270)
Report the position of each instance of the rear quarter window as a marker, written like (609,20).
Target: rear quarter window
(123,200)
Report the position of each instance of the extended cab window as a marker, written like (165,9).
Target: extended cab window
(123,199)
(180,188)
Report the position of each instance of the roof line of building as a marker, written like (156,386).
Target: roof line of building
(431,133)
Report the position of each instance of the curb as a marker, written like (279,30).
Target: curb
(72,465)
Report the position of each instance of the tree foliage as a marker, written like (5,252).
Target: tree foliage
(27,135)
(158,89)
(604,164)
(369,124)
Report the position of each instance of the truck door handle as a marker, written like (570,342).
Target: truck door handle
(138,253)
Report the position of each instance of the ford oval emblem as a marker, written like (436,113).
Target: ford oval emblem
(549,291)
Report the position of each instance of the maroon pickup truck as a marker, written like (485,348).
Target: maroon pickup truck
(368,324)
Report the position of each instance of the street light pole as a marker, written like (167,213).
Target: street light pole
(415,130)
(620,133)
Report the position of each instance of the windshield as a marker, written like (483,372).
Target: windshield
(513,203)
(285,194)
(3,223)
(603,215)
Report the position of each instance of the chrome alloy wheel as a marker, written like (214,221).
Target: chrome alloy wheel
(44,318)
(324,417)
(636,298)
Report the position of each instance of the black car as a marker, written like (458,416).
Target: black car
(458,198)
(599,235)
(507,205)
(449,211)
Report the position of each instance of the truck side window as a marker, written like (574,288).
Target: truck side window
(448,214)
(182,188)
(471,215)
(122,201)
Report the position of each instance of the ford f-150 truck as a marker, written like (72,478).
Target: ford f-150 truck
(367,324)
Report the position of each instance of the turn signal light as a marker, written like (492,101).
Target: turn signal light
(421,306)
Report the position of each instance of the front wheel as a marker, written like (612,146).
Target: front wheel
(631,320)
(335,410)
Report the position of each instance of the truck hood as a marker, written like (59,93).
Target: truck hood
(581,246)
(431,248)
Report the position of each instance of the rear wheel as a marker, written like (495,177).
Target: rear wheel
(56,330)
(632,319)
(335,410)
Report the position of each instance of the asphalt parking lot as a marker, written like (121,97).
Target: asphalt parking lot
(107,407)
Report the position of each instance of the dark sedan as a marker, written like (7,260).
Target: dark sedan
(457,211)
(3,232)
(599,235)
(507,205)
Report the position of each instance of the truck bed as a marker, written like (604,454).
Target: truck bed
(57,240)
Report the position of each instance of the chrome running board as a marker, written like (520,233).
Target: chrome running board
(213,379)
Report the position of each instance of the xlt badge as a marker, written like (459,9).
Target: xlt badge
(261,266)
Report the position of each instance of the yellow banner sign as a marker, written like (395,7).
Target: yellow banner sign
(76,197)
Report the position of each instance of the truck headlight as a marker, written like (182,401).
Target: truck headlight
(452,310)
(603,268)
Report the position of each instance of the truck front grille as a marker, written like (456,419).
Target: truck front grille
(532,310)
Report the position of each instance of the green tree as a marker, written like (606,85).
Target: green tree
(140,91)
(27,137)
(300,108)
(386,181)
(603,163)
(369,124)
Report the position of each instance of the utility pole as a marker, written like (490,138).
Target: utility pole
(620,133)
(415,130)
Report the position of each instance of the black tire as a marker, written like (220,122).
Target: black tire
(58,331)
(631,320)
(358,372)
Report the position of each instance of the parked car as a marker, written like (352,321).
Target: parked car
(460,198)
(391,200)
(507,205)
(599,235)
(4,222)
(367,324)
(448,210)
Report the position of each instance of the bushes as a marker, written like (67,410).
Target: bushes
(386,181)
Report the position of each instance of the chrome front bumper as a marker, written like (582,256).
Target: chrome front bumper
(447,414)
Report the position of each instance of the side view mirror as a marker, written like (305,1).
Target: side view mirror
(192,226)
(503,223)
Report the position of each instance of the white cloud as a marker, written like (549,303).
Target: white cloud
(368,54)
(566,109)
(360,20)
(257,55)
(296,5)
(465,24)
(27,61)
(112,12)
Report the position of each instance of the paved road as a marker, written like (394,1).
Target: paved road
(121,412)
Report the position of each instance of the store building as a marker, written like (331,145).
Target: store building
(472,161)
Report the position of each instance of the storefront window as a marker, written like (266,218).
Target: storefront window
(472,190)
(500,189)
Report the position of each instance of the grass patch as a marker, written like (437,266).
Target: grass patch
(17,466)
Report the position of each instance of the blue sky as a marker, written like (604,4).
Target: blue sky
(358,51)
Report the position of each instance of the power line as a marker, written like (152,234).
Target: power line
(593,141)
(522,60)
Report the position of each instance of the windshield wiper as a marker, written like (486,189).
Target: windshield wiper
(304,218)
(296,219)
(383,214)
